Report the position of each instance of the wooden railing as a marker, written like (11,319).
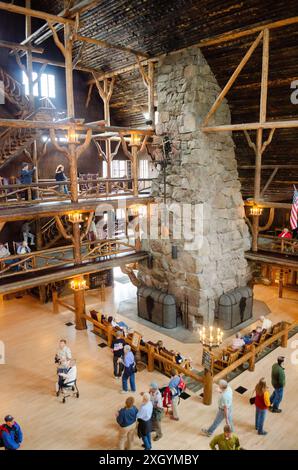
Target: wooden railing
(148,349)
(51,190)
(38,261)
(277,244)
(33,193)
(249,357)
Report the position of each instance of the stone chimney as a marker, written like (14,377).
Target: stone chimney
(201,176)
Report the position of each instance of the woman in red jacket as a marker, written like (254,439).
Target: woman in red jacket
(262,403)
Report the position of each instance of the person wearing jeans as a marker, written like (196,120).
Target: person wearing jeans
(144,418)
(173,385)
(224,409)
(129,370)
(262,403)
(278,380)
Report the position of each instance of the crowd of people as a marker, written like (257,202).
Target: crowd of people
(141,420)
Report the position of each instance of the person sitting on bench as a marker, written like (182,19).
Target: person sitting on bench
(238,342)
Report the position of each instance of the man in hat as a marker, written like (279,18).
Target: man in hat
(278,380)
(224,412)
(11,435)
(158,411)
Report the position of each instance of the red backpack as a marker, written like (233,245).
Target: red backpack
(3,428)
(181,385)
(167,398)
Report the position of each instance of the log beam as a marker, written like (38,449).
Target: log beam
(14,46)
(252,126)
(42,15)
(102,43)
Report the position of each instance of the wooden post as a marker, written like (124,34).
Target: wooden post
(134,152)
(151,110)
(252,359)
(41,289)
(150,365)
(110,335)
(73,172)
(55,301)
(68,70)
(208,384)
(35,164)
(284,339)
(77,243)
(80,310)
(280,283)
(28,31)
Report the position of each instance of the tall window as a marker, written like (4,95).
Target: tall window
(144,168)
(45,87)
(120,169)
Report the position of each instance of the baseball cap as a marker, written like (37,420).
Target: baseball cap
(8,419)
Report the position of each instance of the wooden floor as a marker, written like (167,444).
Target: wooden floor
(31,332)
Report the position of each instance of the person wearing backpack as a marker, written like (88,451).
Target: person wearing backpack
(262,402)
(11,435)
(175,392)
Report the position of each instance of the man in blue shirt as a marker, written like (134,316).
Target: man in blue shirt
(173,386)
(126,418)
(129,370)
(26,178)
(11,435)
(144,419)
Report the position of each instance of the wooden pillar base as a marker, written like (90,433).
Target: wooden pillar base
(79,302)
(208,383)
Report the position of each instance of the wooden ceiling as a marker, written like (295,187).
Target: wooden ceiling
(162,26)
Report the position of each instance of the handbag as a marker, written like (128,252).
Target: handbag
(252,400)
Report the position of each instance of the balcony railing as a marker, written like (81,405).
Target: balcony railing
(275,244)
(53,191)
(59,257)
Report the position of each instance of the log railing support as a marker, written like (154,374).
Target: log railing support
(252,359)
(208,385)
(55,301)
(80,309)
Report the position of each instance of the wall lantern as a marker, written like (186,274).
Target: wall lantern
(174,251)
(72,136)
(78,284)
(75,217)
(256,210)
(135,140)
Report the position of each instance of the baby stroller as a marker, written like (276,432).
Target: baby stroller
(69,389)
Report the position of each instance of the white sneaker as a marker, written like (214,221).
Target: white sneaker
(123,391)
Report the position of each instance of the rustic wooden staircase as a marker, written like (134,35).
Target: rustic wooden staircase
(14,93)
(50,233)
(14,141)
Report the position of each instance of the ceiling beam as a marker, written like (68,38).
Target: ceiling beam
(42,15)
(101,43)
(66,124)
(129,68)
(56,63)
(269,167)
(19,47)
(44,33)
(237,34)
(252,126)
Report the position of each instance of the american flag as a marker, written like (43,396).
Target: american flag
(294,211)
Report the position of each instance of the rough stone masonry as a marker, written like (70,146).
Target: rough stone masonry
(202,170)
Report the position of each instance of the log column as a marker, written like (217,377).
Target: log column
(80,309)
(135,169)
